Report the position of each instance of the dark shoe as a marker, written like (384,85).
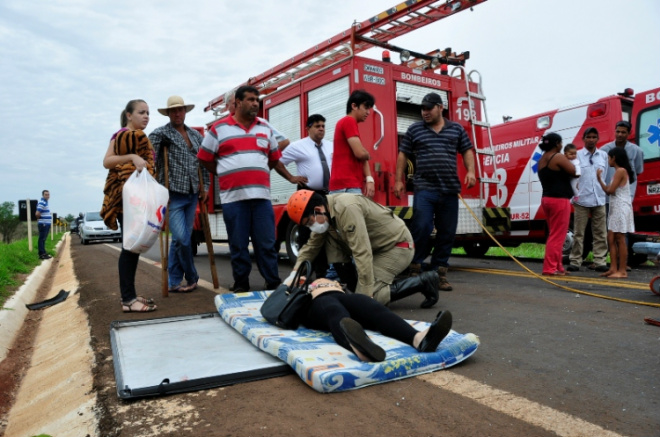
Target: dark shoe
(45,256)
(360,340)
(438,330)
(414,269)
(602,268)
(425,283)
(271,286)
(431,284)
(240,288)
(444,284)
(572,268)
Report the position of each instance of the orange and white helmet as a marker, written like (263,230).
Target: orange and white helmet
(297,203)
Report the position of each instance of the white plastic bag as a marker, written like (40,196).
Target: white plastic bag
(145,204)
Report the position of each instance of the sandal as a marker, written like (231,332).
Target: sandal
(188,288)
(145,300)
(176,289)
(128,308)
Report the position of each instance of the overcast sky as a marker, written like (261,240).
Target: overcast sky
(68,67)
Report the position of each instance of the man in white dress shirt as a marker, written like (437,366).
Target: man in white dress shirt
(313,158)
(309,154)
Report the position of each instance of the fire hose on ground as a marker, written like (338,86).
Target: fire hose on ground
(536,275)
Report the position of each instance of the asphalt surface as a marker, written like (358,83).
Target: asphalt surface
(581,355)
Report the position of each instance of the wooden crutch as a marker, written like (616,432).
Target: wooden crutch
(164,239)
(204,218)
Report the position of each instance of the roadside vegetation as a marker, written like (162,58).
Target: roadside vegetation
(16,261)
(525,250)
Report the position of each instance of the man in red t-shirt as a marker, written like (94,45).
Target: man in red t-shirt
(350,160)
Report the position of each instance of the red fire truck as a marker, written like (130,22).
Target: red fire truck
(516,154)
(507,198)
(321,79)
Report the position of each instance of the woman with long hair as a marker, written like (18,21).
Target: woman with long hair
(555,173)
(620,219)
(129,150)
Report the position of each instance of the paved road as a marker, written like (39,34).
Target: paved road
(571,363)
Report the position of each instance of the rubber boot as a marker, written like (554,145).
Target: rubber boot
(426,283)
(444,284)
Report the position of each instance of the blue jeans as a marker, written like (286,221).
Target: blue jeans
(431,208)
(44,229)
(180,260)
(251,219)
(347,190)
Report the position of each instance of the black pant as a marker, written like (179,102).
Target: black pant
(328,309)
(128,262)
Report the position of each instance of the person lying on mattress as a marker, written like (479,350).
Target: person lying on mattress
(346,315)
(350,226)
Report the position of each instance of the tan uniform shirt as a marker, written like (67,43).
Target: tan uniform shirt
(359,228)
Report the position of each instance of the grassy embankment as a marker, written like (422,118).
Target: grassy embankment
(16,260)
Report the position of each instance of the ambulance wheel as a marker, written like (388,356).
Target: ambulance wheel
(292,248)
(655,285)
(476,250)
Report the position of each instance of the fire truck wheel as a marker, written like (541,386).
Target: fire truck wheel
(291,240)
(476,250)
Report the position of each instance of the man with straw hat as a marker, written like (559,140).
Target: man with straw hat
(181,144)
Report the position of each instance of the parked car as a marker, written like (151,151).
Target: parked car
(93,228)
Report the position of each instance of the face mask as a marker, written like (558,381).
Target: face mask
(319,228)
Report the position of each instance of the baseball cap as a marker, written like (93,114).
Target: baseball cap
(431,99)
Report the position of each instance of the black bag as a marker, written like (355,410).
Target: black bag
(287,305)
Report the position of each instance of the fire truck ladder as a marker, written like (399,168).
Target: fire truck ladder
(485,147)
(376,31)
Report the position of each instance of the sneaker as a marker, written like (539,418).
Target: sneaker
(602,268)
(572,268)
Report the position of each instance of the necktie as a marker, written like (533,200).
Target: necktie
(324,164)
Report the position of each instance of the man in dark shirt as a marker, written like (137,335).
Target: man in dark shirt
(434,142)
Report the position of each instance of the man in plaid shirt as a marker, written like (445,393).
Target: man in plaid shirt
(181,144)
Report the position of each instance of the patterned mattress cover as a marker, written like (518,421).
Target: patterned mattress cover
(323,364)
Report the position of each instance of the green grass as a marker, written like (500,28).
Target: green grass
(525,250)
(16,259)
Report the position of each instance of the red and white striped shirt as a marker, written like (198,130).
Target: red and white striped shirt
(242,158)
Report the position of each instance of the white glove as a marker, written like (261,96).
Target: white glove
(289,279)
